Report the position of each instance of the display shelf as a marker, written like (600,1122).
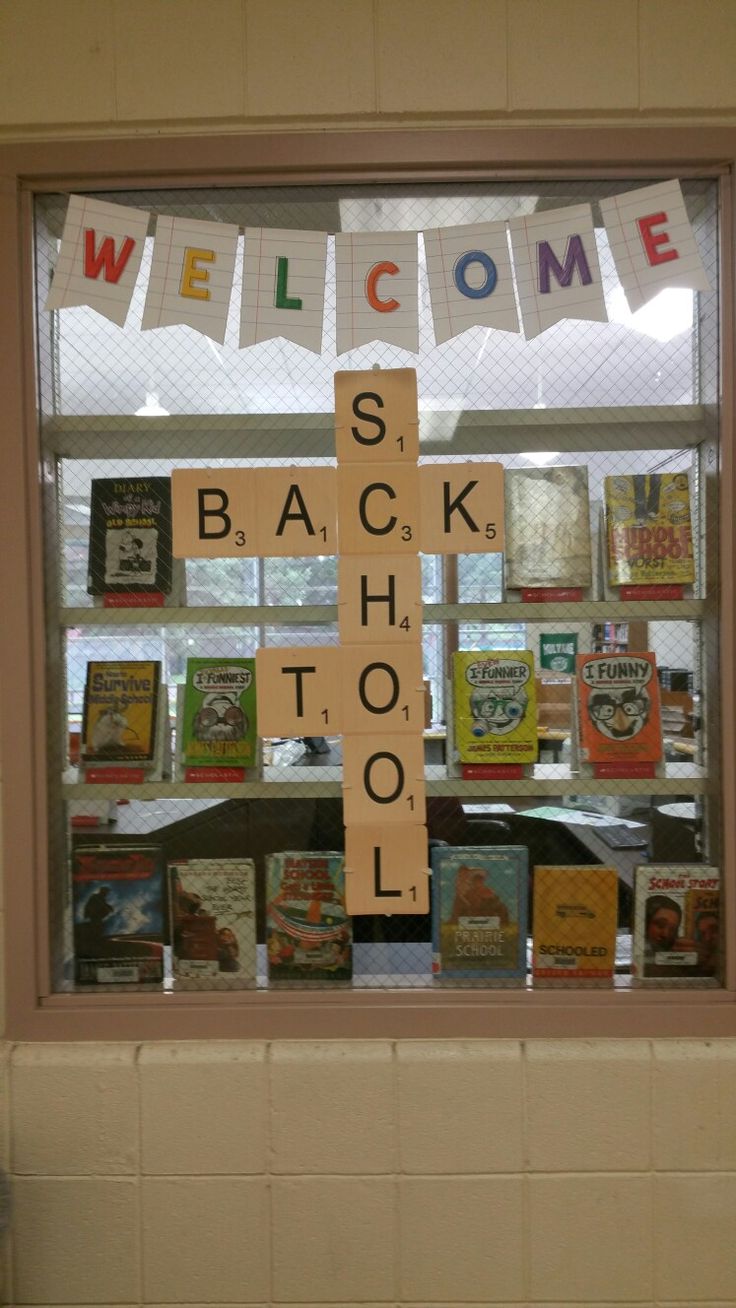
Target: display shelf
(547,779)
(310,614)
(274,436)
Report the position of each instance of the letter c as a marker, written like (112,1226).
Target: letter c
(378,269)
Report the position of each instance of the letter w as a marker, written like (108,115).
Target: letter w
(574,258)
(95,260)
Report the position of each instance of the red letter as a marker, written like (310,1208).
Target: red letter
(651,240)
(378,269)
(94,260)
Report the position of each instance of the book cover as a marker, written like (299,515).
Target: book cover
(129,535)
(547,527)
(676,922)
(119,715)
(479,912)
(648,529)
(618,703)
(557,650)
(494,706)
(213,922)
(575,911)
(309,935)
(219,715)
(119,913)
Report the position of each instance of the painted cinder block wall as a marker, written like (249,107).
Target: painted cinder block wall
(442,1173)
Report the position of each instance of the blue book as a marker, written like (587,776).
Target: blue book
(480,912)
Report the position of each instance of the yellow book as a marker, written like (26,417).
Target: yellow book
(575,911)
(648,529)
(495,706)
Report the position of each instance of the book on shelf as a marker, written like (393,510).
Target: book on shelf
(212,906)
(548,539)
(618,714)
(677,928)
(125,733)
(119,913)
(479,913)
(648,528)
(130,536)
(557,650)
(494,708)
(574,936)
(309,935)
(218,718)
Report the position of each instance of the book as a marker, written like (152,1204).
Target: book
(212,904)
(575,911)
(219,713)
(648,529)
(119,915)
(129,535)
(309,934)
(676,923)
(618,709)
(494,706)
(479,912)
(120,712)
(548,527)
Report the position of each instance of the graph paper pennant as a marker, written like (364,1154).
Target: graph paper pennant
(377,289)
(557,270)
(191,276)
(283,287)
(652,242)
(471,282)
(99,257)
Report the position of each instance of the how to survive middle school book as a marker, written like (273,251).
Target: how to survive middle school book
(120,712)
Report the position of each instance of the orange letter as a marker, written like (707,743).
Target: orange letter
(378,269)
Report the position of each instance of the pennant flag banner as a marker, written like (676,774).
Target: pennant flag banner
(552,271)
(471,283)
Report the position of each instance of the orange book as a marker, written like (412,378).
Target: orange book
(619,718)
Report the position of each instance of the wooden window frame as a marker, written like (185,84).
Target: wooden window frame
(513,154)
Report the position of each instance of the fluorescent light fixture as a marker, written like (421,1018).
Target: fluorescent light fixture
(668,315)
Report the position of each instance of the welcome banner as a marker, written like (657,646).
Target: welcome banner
(546,264)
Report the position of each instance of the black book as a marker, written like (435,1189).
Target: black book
(119,910)
(130,535)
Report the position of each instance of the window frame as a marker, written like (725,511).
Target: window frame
(510,154)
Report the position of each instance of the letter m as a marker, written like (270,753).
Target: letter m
(574,258)
(104,258)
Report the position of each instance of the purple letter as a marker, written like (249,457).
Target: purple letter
(574,258)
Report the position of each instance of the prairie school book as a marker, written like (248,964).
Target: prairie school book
(494,706)
(648,529)
(119,717)
(219,713)
(213,922)
(479,912)
(547,528)
(309,935)
(618,708)
(575,911)
(119,913)
(676,923)
(129,535)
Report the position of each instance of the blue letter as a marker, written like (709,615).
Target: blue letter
(459,270)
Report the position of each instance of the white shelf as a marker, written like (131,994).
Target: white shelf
(325,782)
(312,435)
(314,614)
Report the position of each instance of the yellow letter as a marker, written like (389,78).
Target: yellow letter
(190,273)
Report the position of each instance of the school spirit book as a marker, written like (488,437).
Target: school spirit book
(130,535)
(219,714)
(677,928)
(575,911)
(309,935)
(120,710)
(648,529)
(547,528)
(212,905)
(494,706)
(618,710)
(479,913)
(118,906)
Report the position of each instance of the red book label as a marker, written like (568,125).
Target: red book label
(214,774)
(651,592)
(148,600)
(492,771)
(551,594)
(620,771)
(112,776)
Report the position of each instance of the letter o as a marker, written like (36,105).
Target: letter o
(460,268)
(383,799)
(391,703)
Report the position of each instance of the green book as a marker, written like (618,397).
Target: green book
(219,717)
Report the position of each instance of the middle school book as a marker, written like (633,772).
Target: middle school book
(479,912)
(494,706)
(648,529)
(219,714)
(309,936)
(213,922)
(119,717)
(575,911)
(618,708)
(547,528)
